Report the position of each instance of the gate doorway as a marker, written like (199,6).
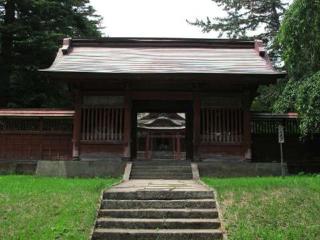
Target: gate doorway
(162,130)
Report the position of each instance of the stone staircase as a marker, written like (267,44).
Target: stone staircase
(158,209)
(161,169)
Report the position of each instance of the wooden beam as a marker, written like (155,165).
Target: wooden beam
(246,126)
(76,125)
(196,126)
(127,125)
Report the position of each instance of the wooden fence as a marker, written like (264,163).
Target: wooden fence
(301,154)
(29,135)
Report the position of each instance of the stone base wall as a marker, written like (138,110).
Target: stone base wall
(18,167)
(107,168)
(238,169)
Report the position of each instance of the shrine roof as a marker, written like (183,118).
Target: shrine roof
(162,121)
(162,55)
(36,112)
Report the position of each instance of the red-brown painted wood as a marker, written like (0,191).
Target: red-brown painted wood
(76,125)
(196,125)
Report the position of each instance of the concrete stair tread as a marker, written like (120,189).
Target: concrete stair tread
(163,177)
(161,169)
(156,223)
(172,170)
(162,210)
(153,213)
(164,173)
(160,194)
(159,200)
(180,203)
(205,220)
(159,234)
(158,209)
(161,172)
(122,230)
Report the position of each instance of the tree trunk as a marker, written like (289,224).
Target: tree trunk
(6,57)
(275,18)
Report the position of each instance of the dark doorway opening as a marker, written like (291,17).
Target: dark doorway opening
(147,140)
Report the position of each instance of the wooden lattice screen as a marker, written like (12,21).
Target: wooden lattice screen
(22,125)
(102,124)
(221,125)
(268,125)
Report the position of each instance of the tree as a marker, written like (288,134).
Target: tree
(30,38)
(299,39)
(251,19)
(245,18)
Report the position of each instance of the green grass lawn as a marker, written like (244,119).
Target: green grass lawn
(48,208)
(270,208)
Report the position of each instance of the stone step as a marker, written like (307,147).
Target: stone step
(159,213)
(163,168)
(147,223)
(158,195)
(172,177)
(160,173)
(155,172)
(162,163)
(160,167)
(137,204)
(159,234)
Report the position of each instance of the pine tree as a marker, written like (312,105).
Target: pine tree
(246,19)
(30,34)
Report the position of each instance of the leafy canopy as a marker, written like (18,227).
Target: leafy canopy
(30,34)
(299,39)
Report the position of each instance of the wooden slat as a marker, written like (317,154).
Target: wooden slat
(102,124)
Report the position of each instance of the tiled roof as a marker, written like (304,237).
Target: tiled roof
(36,112)
(122,55)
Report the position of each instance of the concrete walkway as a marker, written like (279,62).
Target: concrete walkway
(158,209)
(157,185)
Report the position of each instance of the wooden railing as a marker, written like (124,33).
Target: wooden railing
(267,123)
(23,125)
(102,124)
(221,125)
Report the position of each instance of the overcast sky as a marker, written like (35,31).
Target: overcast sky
(155,18)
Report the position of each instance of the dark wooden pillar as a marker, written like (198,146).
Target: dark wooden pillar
(76,125)
(247,125)
(196,126)
(127,126)
(147,146)
(178,147)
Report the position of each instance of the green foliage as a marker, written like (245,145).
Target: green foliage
(259,19)
(33,37)
(49,208)
(244,17)
(308,104)
(270,208)
(299,39)
(268,95)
